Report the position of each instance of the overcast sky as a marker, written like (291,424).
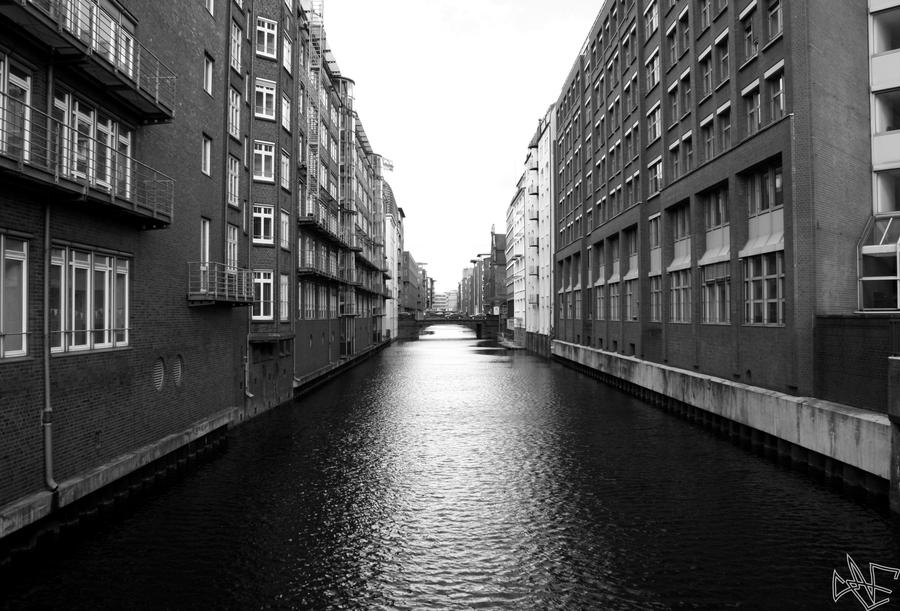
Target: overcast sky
(451,91)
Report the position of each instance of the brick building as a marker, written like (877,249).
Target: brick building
(191,228)
(714,178)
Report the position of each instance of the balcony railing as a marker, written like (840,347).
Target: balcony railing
(219,283)
(112,53)
(48,150)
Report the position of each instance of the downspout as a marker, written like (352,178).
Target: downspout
(47,414)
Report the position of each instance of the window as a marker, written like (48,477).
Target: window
(704,14)
(287,52)
(285,112)
(750,42)
(233,184)
(614,301)
(653,124)
(234,113)
(687,152)
(764,190)
(673,104)
(706,85)
(263,220)
(674,161)
(722,62)
(285,232)
(716,208)
(685,91)
(764,289)
(284,298)
(89,300)
(651,18)
(206,154)
(207,74)
(262,291)
(655,177)
(265,99)
(231,248)
(631,305)
(723,123)
(715,296)
(13,297)
(775,83)
(752,110)
(285,170)
(680,293)
(656,298)
(672,45)
(652,66)
(773,19)
(263,161)
(706,133)
(684,30)
(266,35)
(236,39)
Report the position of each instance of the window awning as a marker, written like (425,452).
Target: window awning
(716,254)
(679,263)
(762,244)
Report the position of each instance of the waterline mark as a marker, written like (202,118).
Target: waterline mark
(868,593)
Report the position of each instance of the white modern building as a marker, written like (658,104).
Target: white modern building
(515,265)
(541,220)
(393,254)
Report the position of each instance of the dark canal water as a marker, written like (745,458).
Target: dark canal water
(450,474)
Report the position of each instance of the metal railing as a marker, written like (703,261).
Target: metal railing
(209,281)
(104,37)
(34,139)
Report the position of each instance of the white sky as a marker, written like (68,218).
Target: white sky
(451,91)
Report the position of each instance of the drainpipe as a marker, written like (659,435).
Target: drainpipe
(47,414)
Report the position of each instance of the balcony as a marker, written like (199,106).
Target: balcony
(531,211)
(534,242)
(212,283)
(318,216)
(534,300)
(41,149)
(311,263)
(104,46)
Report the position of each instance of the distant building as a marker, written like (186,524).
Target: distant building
(516,269)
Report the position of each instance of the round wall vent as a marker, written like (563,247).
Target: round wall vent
(159,373)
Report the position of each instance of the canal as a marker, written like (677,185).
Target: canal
(449,473)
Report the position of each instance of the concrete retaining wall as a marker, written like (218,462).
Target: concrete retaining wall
(852,436)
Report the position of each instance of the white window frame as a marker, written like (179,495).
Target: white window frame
(236,44)
(263,161)
(284,298)
(287,52)
(263,224)
(285,170)
(285,112)
(208,74)
(234,113)
(284,236)
(206,155)
(263,285)
(266,38)
(114,269)
(234,181)
(264,101)
(13,258)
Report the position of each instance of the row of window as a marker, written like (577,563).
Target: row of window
(89,298)
(763,295)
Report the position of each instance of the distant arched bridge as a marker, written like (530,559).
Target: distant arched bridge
(484,327)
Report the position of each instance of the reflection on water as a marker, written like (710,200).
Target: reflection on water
(451,474)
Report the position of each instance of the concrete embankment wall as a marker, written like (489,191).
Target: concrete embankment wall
(851,436)
(164,456)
